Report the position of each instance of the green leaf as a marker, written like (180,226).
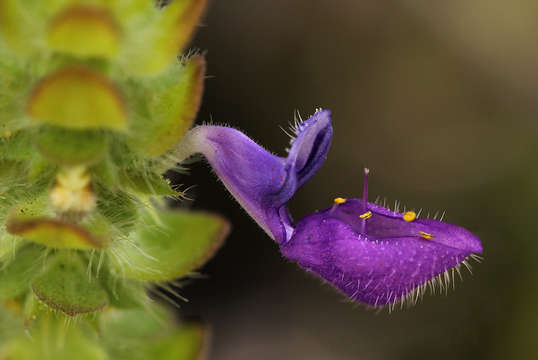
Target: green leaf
(53,339)
(131,328)
(123,293)
(65,286)
(15,277)
(163,38)
(10,323)
(16,78)
(187,343)
(151,333)
(105,172)
(171,245)
(78,98)
(131,12)
(147,183)
(17,146)
(70,147)
(22,202)
(118,207)
(12,171)
(12,26)
(174,99)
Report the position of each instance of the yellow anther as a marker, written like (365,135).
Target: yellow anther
(366,215)
(425,235)
(409,216)
(339,200)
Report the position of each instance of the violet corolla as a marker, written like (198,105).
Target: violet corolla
(372,254)
(262,182)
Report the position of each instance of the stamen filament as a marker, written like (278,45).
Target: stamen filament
(337,201)
(365,201)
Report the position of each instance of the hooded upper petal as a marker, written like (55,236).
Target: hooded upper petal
(262,182)
(386,261)
(310,146)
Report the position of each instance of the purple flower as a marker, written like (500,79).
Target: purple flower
(370,253)
(262,182)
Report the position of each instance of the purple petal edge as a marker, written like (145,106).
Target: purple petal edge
(383,265)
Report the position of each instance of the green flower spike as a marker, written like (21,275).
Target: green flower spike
(94,97)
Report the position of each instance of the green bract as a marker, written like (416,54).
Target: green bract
(94,95)
(19,271)
(52,340)
(149,334)
(163,250)
(78,98)
(66,286)
(71,147)
(172,103)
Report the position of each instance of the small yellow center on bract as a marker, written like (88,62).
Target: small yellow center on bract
(425,235)
(366,215)
(339,200)
(72,191)
(409,216)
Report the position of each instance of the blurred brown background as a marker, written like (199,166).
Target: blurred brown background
(439,100)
